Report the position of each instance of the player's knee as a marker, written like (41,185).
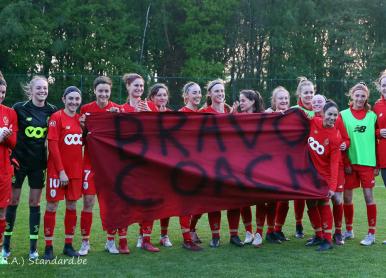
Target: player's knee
(52,206)
(89,202)
(71,205)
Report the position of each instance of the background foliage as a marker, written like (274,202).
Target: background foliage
(253,44)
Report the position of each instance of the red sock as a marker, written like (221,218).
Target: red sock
(122,233)
(111,234)
(2,228)
(85,224)
(299,210)
(233,221)
(372,217)
(281,214)
(260,217)
(271,213)
(185,227)
(326,216)
(164,226)
(49,226)
(316,220)
(193,221)
(246,215)
(146,229)
(338,218)
(348,215)
(69,225)
(214,223)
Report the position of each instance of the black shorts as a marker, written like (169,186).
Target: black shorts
(35,178)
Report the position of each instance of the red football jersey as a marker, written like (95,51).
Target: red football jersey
(186,109)
(66,132)
(127,108)
(380,109)
(8,119)
(92,108)
(323,145)
(209,109)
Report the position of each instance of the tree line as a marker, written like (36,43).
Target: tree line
(253,44)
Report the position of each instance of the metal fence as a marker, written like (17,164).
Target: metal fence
(334,89)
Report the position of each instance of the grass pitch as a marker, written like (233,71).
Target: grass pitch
(290,259)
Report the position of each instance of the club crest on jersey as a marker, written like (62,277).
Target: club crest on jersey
(316,131)
(52,123)
(381,114)
(53,193)
(5,120)
(68,127)
(326,142)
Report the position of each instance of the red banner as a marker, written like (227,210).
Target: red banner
(154,165)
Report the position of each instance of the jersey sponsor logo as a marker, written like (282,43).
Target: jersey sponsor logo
(360,128)
(35,132)
(29,119)
(316,146)
(73,139)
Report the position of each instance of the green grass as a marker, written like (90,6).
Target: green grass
(290,259)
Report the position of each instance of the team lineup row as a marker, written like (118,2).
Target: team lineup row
(347,149)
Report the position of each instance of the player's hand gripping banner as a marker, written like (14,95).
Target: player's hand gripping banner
(154,165)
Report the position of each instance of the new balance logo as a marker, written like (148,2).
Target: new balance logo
(360,128)
(73,139)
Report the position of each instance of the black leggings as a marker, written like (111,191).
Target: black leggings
(383,173)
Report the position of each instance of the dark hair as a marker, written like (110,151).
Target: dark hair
(70,90)
(155,88)
(258,106)
(129,78)
(2,80)
(102,80)
(330,103)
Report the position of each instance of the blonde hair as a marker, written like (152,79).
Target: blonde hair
(378,81)
(2,80)
(27,87)
(360,86)
(303,81)
(274,94)
(209,87)
(185,90)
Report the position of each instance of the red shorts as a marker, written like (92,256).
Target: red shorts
(5,190)
(88,187)
(55,193)
(341,180)
(361,176)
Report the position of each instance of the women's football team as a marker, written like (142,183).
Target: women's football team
(47,146)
